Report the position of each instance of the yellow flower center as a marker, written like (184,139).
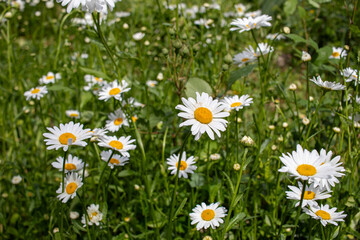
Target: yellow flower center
(235,104)
(134,118)
(74,115)
(239,9)
(247,25)
(98,79)
(70,166)
(203,115)
(36,90)
(71,188)
(245,59)
(118,121)
(114,161)
(63,139)
(49,77)
(183,165)
(93,214)
(335,54)
(306,170)
(116,144)
(309,195)
(208,215)
(114,91)
(324,215)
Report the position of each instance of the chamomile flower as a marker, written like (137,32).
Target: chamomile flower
(325,214)
(73,182)
(94,216)
(236,103)
(93,83)
(72,114)
(350,75)
(97,134)
(275,36)
(116,159)
(151,83)
(203,115)
(253,14)
(263,49)
(245,56)
(205,216)
(327,85)
(186,165)
(305,56)
(116,120)
(338,53)
(240,9)
(246,24)
(36,93)
(50,77)
(68,134)
(89,5)
(72,164)
(16,179)
(132,101)
(311,194)
(114,90)
(122,144)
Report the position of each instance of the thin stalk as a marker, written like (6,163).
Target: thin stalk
(63,189)
(323,232)
(299,209)
(86,215)
(307,90)
(297,113)
(312,120)
(102,174)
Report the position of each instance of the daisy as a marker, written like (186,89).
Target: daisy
(116,159)
(116,121)
(204,115)
(36,93)
(73,182)
(338,53)
(97,134)
(237,103)
(327,85)
(72,164)
(151,83)
(215,156)
(68,134)
(132,101)
(16,179)
(246,24)
(350,75)
(186,165)
(114,90)
(305,56)
(95,216)
(72,114)
(240,9)
(311,194)
(275,36)
(89,5)
(253,14)
(50,77)
(325,214)
(244,57)
(263,49)
(93,81)
(138,36)
(206,216)
(122,145)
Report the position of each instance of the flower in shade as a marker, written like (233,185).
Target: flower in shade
(94,216)
(327,85)
(122,144)
(151,83)
(240,9)
(116,120)
(275,36)
(311,194)
(73,182)
(236,103)
(116,159)
(338,53)
(244,57)
(325,214)
(68,134)
(350,75)
(205,216)
(203,115)
(36,93)
(50,77)
(72,164)
(186,165)
(72,114)
(246,24)
(114,90)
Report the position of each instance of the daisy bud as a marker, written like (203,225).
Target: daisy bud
(292,87)
(125,26)
(207,238)
(138,36)
(160,77)
(56,230)
(137,187)
(8,15)
(126,236)
(271,127)
(143,29)
(236,167)
(209,22)
(74,215)
(215,156)
(247,141)
(286,30)
(4,195)
(280,139)
(336,129)
(273,147)
(146,43)
(305,121)
(206,5)
(347,48)
(305,56)
(285,124)
(228,58)
(16,179)
(311,98)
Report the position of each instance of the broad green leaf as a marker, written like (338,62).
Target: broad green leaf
(323,55)
(58,87)
(290,7)
(238,217)
(182,204)
(194,85)
(229,182)
(242,72)
(95,73)
(197,180)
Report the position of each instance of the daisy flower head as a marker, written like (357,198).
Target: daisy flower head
(68,134)
(72,164)
(50,77)
(72,114)
(305,56)
(97,134)
(247,24)
(275,36)
(206,216)
(236,103)
(263,49)
(338,53)
(138,36)
(151,83)
(16,179)
(93,83)
(253,14)
(36,93)
(203,114)
(94,216)
(311,194)
(186,165)
(114,90)
(89,5)
(116,159)
(122,144)
(116,120)
(245,56)
(325,214)
(132,101)
(73,182)
(327,85)
(240,9)
(350,75)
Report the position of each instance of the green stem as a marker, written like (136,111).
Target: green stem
(86,215)
(312,120)
(299,209)
(102,174)
(63,189)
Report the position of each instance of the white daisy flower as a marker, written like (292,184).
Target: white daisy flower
(89,5)
(240,9)
(122,145)
(93,83)
(72,164)
(116,121)
(311,194)
(237,103)
(151,83)
(203,115)
(186,165)
(244,57)
(50,77)
(72,114)
(36,93)
(138,36)
(263,49)
(246,24)
(95,216)
(133,102)
(73,182)
(327,85)
(66,135)
(305,56)
(116,159)
(16,179)
(114,90)
(338,53)
(275,36)
(206,216)
(97,134)
(325,214)
(215,156)
(350,75)
(253,14)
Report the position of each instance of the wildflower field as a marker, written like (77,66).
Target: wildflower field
(179,119)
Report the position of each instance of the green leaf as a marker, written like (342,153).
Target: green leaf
(58,87)
(157,224)
(242,72)
(230,183)
(290,7)
(95,73)
(314,4)
(323,55)
(194,85)
(298,39)
(197,180)
(238,217)
(182,204)
(302,12)
(264,145)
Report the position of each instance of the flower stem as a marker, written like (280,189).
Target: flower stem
(63,188)
(299,209)
(102,174)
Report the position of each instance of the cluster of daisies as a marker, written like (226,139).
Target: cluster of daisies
(41,90)
(318,172)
